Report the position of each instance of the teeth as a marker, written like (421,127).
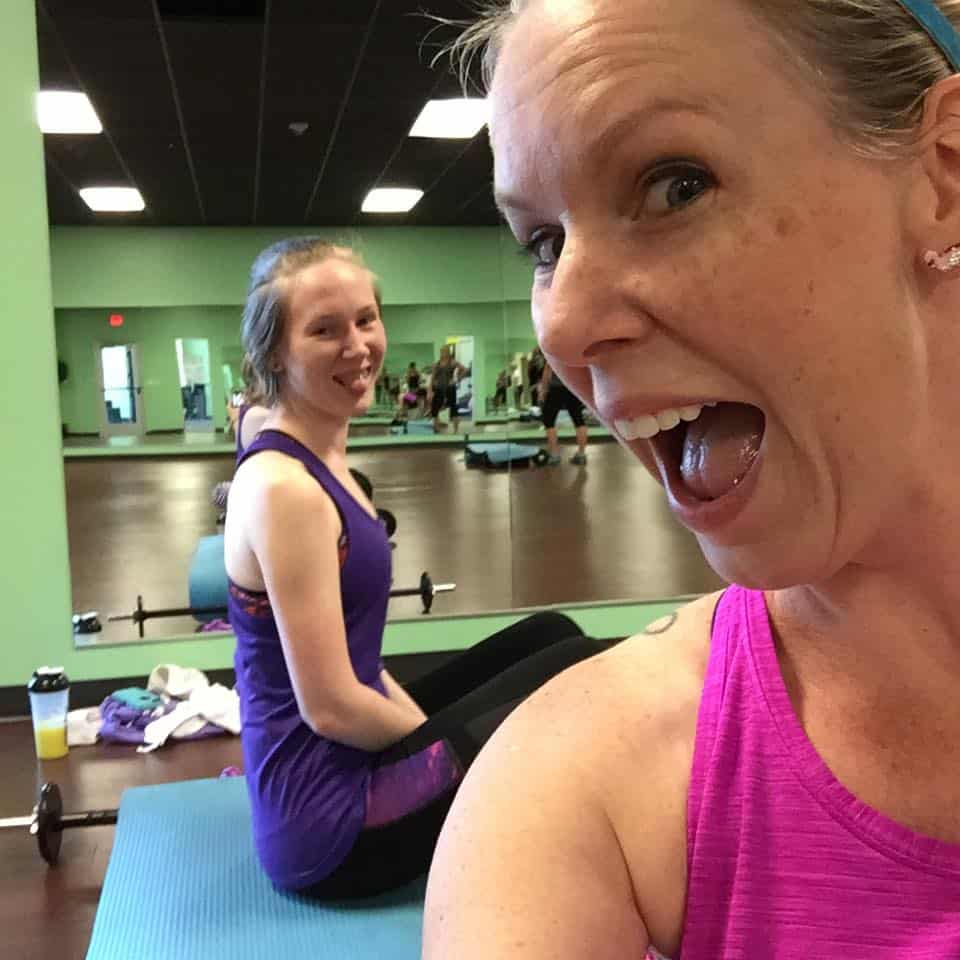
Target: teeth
(648,426)
(668,419)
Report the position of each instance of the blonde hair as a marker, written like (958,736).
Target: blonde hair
(871,59)
(261,328)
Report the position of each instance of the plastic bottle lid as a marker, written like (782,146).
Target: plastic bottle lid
(48,680)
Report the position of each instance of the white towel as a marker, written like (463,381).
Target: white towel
(178,682)
(83,727)
(215,704)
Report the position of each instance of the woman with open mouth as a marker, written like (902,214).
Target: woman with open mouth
(744,223)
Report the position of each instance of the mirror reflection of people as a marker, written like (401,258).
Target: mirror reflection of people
(442,393)
(516,379)
(535,368)
(744,221)
(500,397)
(349,773)
(555,396)
(413,387)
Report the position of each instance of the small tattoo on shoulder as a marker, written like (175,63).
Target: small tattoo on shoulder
(662,625)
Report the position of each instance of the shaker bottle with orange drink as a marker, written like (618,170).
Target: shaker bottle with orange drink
(49,691)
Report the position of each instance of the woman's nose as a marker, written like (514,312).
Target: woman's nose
(590,307)
(355,343)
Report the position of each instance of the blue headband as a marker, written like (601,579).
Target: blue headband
(938,26)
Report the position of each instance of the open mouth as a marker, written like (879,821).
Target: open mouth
(707,456)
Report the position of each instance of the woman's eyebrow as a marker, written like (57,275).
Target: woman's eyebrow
(611,134)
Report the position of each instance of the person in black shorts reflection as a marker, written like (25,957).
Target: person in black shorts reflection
(554,396)
(443,388)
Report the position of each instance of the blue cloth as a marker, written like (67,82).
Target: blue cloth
(183,882)
(138,698)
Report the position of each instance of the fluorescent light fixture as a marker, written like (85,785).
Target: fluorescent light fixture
(459,119)
(391,200)
(60,111)
(112,199)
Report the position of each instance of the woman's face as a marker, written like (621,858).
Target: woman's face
(333,341)
(701,236)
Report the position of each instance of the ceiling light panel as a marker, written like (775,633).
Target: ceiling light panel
(460,119)
(62,111)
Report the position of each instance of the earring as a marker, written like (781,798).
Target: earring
(944,262)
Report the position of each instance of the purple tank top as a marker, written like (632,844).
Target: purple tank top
(307,793)
(783,861)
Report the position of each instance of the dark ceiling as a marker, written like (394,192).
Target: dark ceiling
(196,98)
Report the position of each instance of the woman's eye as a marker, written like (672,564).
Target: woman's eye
(672,188)
(545,248)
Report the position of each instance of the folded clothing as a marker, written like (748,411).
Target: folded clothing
(125,724)
(213,707)
(170,680)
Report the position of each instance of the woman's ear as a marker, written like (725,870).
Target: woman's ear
(935,202)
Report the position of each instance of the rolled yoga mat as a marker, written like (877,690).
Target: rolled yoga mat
(207,585)
(183,882)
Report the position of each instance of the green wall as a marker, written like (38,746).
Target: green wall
(405,636)
(117,267)
(34,566)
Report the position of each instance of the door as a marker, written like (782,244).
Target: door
(120,396)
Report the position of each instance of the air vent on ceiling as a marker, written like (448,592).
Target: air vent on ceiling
(223,11)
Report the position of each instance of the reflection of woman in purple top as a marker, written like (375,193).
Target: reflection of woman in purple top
(349,774)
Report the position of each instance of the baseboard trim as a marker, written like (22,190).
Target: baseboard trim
(90,693)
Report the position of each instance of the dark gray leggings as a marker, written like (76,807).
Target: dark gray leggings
(465,701)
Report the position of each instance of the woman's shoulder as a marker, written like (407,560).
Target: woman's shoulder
(276,479)
(651,683)
(595,767)
(630,711)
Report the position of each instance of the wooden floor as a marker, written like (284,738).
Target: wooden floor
(508,539)
(47,913)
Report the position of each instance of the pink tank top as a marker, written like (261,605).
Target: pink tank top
(783,861)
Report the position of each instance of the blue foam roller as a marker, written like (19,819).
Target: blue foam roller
(208,576)
(183,882)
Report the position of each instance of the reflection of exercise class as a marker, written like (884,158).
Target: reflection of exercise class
(380,592)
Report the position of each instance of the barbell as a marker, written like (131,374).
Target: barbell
(427,590)
(48,821)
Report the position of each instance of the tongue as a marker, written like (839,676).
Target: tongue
(719,447)
(355,384)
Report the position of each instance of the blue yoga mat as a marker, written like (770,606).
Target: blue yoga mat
(183,882)
(499,454)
